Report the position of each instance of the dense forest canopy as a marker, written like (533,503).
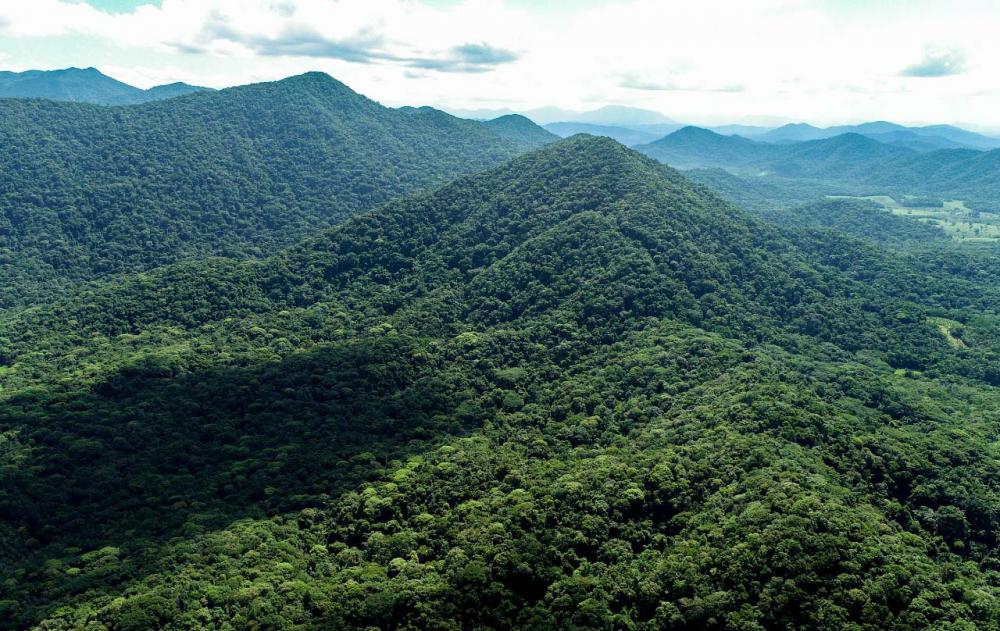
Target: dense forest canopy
(87,190)
(577,390)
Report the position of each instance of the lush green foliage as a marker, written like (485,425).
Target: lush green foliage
(763,196)
(577,391)
(525,134)
(87,191)
(858,218)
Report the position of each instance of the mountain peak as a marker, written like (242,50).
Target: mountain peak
(876,127)
(587,143)
(521,131)
(312,76)
(177,88)
(68,71)
(309,85)
(702,136)
(313,80)
(584,156)
(695,131)
(851,138)
(799,126)
(512,119)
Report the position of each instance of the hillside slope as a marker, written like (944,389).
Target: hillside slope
(521,131)
(575,391)
(89,191)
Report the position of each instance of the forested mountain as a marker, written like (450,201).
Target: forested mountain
(87,190)
(623,135)
(696,147)
(575,391)
(852,162)
(169,91)
(84,85)
(924,138)
(522,132)
(793,132)
(634,118)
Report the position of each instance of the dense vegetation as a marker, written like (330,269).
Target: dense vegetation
(762,196)
(576,391)
(851,162)
(859,218)
(87,191)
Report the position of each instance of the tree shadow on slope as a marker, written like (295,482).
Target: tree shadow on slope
(156,451)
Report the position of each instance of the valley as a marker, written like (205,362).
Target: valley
(952,216)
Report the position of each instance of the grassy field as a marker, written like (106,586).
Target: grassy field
(952,216)
(950,329)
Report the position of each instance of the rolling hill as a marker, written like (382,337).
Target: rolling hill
(84,85)
(624,135)
(696,147)
(573,391)
(519,130)
(89,190)
(926,138)
(851,162)
(607,116)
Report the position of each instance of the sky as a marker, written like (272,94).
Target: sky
(702,62)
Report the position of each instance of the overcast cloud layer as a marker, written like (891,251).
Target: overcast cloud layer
(823,61)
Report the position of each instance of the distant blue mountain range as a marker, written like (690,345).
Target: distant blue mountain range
(84,85)
(927,138)
(853,161)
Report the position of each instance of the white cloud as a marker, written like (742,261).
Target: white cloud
(938,62)
(818,60)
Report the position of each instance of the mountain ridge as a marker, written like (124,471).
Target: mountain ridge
(855,163)
(624,135)
(928,137)
(607,115)
(85,85)
(493,404)
(253,168)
